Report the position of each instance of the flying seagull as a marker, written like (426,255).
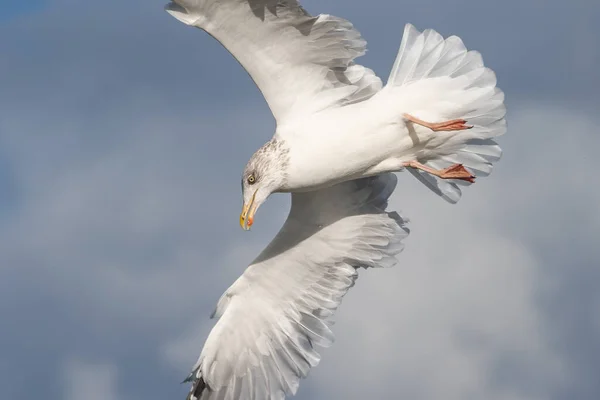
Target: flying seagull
(340,133)
(435,117)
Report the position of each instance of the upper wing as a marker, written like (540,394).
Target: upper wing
(272,317)
(301,64)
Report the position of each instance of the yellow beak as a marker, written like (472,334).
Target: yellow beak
(247,215)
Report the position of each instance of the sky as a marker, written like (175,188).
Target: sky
(15,9)
(123,134)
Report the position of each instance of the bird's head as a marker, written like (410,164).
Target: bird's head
(264,174)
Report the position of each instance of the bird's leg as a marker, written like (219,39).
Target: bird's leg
(452,125)
(456,171)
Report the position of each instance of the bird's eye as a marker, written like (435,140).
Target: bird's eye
(251,179)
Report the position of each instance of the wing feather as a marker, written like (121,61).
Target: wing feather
(277,313)
(301,64)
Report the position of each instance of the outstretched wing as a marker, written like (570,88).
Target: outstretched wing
(275,314)
(301,64)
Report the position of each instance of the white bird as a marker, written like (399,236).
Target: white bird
(335,122)
(339,134)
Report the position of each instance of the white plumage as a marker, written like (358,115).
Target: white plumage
(427,61)
(339,135)
(278,311)
(298,61)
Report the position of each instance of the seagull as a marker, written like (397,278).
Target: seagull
(340,137)
(436,117)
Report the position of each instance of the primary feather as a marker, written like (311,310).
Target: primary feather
(301,63)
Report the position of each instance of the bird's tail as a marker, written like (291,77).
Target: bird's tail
(441,81)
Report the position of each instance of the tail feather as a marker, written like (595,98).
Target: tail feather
(451,82)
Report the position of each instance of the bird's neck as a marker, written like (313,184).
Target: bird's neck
(279,154)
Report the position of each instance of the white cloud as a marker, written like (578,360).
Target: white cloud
(89,381)
(461,303)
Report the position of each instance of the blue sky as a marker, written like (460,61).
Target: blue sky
(123,134)
(13,9)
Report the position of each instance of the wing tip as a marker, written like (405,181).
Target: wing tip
(198,386)
(180,13)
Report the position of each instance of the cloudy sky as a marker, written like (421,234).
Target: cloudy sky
(123,134)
